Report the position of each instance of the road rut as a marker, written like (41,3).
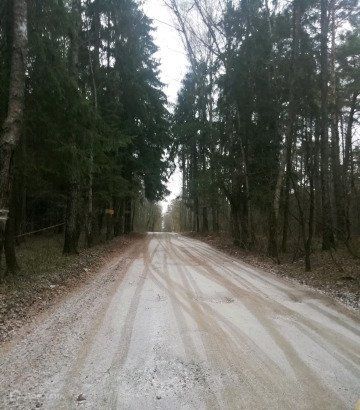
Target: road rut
(175,324)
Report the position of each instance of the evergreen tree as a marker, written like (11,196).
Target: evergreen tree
(95,122)
(284,108)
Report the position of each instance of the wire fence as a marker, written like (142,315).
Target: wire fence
(40,230)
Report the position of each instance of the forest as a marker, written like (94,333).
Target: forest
(266,124)
(179,204)
(84,121)
(265,129)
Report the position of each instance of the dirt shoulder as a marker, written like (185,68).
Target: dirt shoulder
(46,276)
(336,274)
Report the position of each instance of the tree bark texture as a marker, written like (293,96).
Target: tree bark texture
(73,201)
(328,240)
(11,132)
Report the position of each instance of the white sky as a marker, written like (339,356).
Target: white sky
(173,67)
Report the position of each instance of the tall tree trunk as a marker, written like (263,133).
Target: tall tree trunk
(196,215)
(109,221)
(312,163)
(246,222)
(214,189)
(317,183)
(273,249)
(328,240)
(11,132)
(205,221)
(94,70)
(195,187)
(308,243)
(301,220)
(89,221)
(338,187)
(10,254)
(127,215)
(119,218)
(72,210)
(235,226)
(71,237)
(183,209)
(347,166)
(292,113)
(215,219)
(214,196)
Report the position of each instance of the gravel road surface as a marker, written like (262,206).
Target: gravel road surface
(172,323)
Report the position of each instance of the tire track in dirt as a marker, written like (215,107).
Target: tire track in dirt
(243,340)
(86,346)
(294,295)
(207,326)
(222,337)
(275,282)
(221,350)
(301,322)
(334,318)
(128,326)
(189,346)
(275,306)
(304,373)
(316,327)
(324,338)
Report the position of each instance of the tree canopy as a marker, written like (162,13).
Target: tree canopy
(95,122)
(266,119)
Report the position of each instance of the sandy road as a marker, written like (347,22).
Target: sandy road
(175,324)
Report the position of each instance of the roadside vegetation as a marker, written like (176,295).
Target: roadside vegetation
(84,123)
(266,128)
(84,127)
(47,275)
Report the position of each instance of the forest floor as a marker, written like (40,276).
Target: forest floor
(337,274)
(46,275)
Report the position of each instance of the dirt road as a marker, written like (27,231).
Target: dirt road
(176,324)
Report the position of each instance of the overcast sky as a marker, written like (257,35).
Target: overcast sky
(173,67)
